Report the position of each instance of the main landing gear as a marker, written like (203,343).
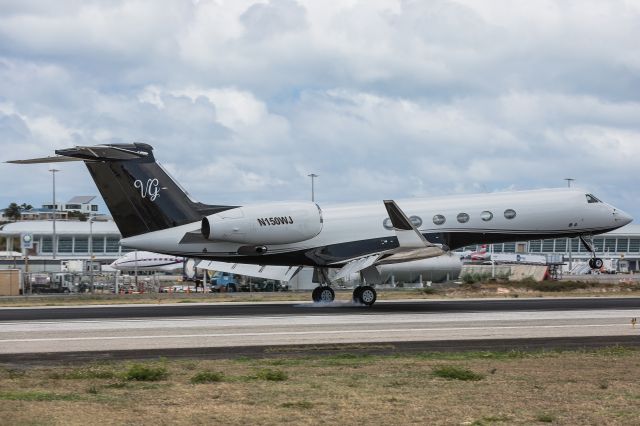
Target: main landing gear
(594,262)
(323,294)
(365,295)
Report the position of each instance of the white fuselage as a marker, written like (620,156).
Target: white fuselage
(352,230)
(148,261)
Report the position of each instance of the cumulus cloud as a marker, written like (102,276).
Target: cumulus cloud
(381,98)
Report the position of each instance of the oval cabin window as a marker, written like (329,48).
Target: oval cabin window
(486,216)
(463,218)
(439,219)
(509,213)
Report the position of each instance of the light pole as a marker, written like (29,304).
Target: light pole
(91,252)
(569,180)
(312,176)
(55,211)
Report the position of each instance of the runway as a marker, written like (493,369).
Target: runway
(227,328)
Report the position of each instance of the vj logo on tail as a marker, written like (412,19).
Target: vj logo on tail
(150,190)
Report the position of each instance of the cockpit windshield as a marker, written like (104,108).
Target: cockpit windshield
(592,198)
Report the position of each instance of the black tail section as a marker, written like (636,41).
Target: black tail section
(139,194)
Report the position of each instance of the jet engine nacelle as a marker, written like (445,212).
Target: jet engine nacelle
(273,223)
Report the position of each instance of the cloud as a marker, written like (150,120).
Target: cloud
(381,98)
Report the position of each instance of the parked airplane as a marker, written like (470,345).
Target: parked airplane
(148,261)
(476,256)
(153,213)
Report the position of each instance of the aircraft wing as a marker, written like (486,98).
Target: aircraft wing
(412,246)
(272,272)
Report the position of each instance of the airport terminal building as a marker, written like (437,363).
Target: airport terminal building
(73,238)
(623,243)
(73,243)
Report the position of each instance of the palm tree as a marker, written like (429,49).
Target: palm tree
(13,211)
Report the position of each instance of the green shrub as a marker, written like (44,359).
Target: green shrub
(545,418)
(89,373)
(146,373)
(272,375)
(207,377)
(472,278)
(452,372)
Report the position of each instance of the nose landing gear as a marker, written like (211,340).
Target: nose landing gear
(594,262)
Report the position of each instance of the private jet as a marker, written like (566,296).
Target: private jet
(153,213)
(148,261)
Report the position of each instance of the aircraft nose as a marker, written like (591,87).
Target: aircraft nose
(621,218)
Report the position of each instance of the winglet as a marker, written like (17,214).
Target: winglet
(408,235)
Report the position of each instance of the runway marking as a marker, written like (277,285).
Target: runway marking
(300,333)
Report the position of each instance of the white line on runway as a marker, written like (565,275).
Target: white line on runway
(319,332)
(68,324)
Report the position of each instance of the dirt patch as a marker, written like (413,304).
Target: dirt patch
(589,387)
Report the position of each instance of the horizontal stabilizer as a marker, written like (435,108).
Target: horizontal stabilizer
(50,159)
(272,272)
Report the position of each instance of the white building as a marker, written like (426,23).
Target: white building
(72,237)
(79,203)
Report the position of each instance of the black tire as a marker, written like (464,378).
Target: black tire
(356,294)
(315,294)
(326,294)
(368,295)
(591,265)
(598,263)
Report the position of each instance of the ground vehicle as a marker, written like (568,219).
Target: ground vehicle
(224,282)
(54,283)
(264,285)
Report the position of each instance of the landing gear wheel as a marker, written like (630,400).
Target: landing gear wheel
(597,263)
(367,295)
(327,295)
(315,294)
(357,292)
(323,294)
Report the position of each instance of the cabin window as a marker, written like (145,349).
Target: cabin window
(509,213)
(463,218)
(416,221)
(592,199)
(387,224)
(486,216)
(439,219)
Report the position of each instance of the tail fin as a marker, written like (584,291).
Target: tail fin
(139,194)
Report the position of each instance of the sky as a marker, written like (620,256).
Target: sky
(382,99)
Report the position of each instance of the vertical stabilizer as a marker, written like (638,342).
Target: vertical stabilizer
(140,195)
